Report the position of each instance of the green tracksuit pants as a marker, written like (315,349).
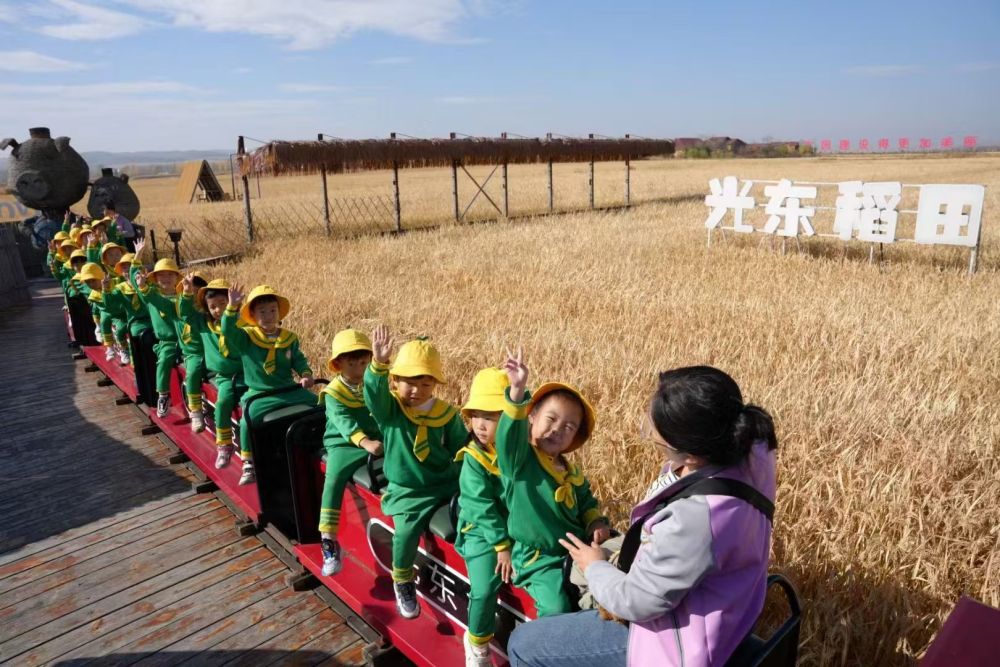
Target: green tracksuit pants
(540,574)
(194,374)
(166,359)
(484,582)
(341,462)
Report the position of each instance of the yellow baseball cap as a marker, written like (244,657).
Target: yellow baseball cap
(487,391)
(264,290)
(589,416)
(217,283)
(416,358)
(348,340)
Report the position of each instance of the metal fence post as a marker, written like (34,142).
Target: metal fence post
(628,179)
(247,213)
(591,136)
(395,190)
(326,199)
(552,198)
(503,176)
(454,181)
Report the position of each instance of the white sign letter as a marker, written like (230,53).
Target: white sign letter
(949,214)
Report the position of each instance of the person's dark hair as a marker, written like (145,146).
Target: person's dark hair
(354,355)
(110,206)
(261,300)
(700,410)
(199,282)
(582,431)
(214,292)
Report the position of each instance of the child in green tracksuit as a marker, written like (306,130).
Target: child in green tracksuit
(547,496)
(482,520)
(270,354)
(122,301)
(351,434)
(201,312)
(421,436)
(160,300)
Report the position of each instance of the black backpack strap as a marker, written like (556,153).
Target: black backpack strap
(709,486)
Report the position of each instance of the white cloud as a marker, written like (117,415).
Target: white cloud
(392,60)
(30,61)
(94,91)
(881,70)
(310,88)
(87,22)
(312,24)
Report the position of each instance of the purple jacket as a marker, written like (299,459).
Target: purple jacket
(699,577)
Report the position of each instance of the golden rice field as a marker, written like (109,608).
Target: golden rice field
(884,380)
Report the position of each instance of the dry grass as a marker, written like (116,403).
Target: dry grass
(884,382)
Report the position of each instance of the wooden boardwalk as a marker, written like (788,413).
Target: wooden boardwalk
(106,554)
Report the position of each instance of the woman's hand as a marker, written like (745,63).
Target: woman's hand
(505,567)
(306,381)
(517,373)
(582,554)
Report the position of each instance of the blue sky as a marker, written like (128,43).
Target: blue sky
(173,74)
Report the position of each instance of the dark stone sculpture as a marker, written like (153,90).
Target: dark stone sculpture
(111,188)
(45,173)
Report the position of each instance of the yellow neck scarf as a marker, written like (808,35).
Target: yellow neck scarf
(487,456)
(565,479)
(283,340)
(439,414)
(216,329)
(349,398)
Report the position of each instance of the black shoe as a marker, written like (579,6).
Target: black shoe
(406,599)
(162,405)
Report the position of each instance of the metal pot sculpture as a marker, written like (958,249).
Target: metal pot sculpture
(46,173)
(111,188)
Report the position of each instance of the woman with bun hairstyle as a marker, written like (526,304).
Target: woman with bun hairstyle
(692,572)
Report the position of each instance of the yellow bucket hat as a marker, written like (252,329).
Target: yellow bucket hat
(101,221)
(217,283)
(589,416)
(78,253)
(264,290)
(60,236)
(348,340)
(74,235)
(165,265)
(487,392)
(124,263)
(108,246)
(90,271)
(416,358)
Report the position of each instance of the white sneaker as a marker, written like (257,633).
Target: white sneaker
(109,354)
(197,421)
(248,476)
(123,357)
(332,562)
(476,656)
(225,452)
